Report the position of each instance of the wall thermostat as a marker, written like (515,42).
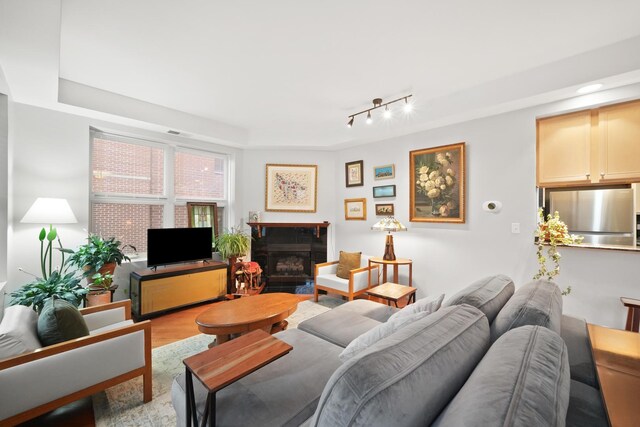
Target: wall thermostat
(492,206)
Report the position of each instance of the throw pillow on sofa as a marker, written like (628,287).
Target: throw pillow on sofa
(426,304)
(18,331)
(60,321)
(488,295)
(348,261)
(381,331)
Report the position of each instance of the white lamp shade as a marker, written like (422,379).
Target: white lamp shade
(389,224)
(49,211)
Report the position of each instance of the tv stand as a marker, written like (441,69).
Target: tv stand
(156,291)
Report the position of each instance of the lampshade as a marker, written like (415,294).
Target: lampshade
(388,224)
(49,211)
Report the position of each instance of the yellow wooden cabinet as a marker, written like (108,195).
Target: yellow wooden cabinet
(599,146)
(172,287)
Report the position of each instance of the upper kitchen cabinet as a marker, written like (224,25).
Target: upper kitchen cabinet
(619,153)
(564,150)
(600,146)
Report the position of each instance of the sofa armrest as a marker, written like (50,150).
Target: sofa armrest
(44,379)
(108,314)
(326,268)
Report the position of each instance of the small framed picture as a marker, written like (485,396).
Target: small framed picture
(255,216)
(353,173)
(384,209)
(384,172)
(384,191)
(355,209)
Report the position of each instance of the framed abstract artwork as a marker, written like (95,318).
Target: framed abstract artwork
(437,184)
(291,188)
(384,191)
(353,173)
(384,172)
(355,209)
(384,209)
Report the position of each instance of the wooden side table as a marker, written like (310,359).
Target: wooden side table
(225,364)
(633,315)
(395,263)
(616,354)
(393,292)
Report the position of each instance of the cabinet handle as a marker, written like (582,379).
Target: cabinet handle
(601,174)
(588,176)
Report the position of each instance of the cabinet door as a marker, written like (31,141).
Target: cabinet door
(620,142)
(564,147)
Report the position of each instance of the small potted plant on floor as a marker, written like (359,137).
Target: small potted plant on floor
(98,255)
(99,290)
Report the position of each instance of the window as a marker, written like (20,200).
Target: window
(133,189)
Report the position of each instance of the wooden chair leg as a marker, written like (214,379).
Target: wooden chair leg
(315,294)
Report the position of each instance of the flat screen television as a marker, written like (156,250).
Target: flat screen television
(175,245)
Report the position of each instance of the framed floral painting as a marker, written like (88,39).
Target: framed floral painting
(437,183)
(291,188)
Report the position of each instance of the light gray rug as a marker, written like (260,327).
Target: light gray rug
(122,405)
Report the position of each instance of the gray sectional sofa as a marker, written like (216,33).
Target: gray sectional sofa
(488,357)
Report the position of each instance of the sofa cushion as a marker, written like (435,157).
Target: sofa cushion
(283,393)
(574,333)
(406,378)
(381,331)
(536,303)
(18,331)
(366,308)
(60,321)
(339,327)
(522,381)
(423,305)
(348,261)
(488,295)
(585,407)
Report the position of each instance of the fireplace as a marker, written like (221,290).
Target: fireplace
(288,252)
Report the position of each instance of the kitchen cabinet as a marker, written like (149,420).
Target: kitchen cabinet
(598,146)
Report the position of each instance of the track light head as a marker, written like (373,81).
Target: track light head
(407,106)
(369,120)
(387,112)
(350,124)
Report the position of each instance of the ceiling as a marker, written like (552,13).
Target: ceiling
(289,73)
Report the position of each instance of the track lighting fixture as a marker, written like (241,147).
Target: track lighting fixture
(377,103)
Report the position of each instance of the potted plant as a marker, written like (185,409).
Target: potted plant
(98,255)
(232,244)
(99,290)
(60,281)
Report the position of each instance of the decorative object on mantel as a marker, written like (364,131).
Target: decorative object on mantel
(291,188)
(389,224)
(355,209)
(353,173)
(255,216)
(553,232)
(384,172)
(377,103)
(384,191)
(437,184)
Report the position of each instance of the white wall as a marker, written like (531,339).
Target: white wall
(49,157)
(4,152)
(500,166)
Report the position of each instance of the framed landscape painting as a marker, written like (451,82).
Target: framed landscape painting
(384,209)
(353,173)
(384,172)
(384,191)
(291,188)
(437,184)
(355,209)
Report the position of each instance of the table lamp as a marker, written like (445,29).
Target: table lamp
(389,224)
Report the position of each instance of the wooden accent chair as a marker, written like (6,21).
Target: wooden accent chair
(325,279)
(42,380)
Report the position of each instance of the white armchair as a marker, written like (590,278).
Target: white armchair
(39,381)
(326,280)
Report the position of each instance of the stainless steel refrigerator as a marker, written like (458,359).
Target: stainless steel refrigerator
(603,217)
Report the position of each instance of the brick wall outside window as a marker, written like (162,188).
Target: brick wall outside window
(198,176)
(127,222)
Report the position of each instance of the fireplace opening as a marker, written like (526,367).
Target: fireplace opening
(290,265)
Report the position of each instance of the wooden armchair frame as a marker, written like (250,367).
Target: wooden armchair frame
(77,343)
(350,294)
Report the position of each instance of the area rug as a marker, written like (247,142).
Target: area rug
(122,405)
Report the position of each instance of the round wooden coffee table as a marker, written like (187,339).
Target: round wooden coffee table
(239,316)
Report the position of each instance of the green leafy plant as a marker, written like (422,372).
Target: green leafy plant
(97,252)
(552,232)
(101,282)
(233,243)
(35,294)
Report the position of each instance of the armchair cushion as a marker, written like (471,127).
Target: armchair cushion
(347,262)
(60,321)
(18,331)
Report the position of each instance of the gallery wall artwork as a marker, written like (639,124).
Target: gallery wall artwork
(437,184)
(291,188)
(384,191)
(384,209)
(355,209)
(353,173)
(384,172)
